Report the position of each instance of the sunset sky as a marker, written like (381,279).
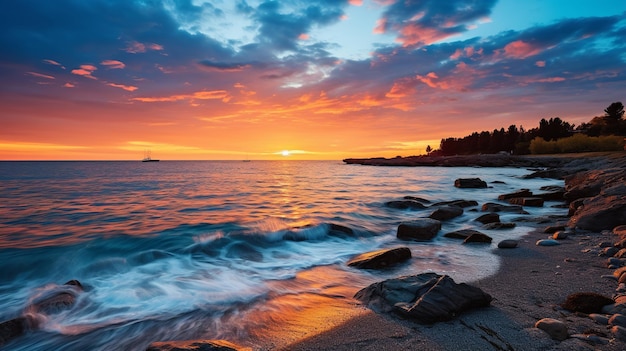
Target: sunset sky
(328,79)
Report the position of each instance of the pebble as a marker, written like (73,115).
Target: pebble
(605,244)
(621,287)
(608,251)
(508,244)
(617,319)
(600,318)
(619,332)
(560,235)
(547,242)
(620,254)
(555,328)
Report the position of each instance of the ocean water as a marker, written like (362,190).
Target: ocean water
(216,249)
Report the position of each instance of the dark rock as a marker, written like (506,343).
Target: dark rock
(552,196)
(554,173)
(499,225)
(426,298)
(600,213)
(488,218)
(461,234)
(478,238)
(552,188)
(560,235)
(195,345)
(446,212)
(620,244)
(508,244)
(519,193)
(470,183)
(555,328)
(586,302)
(553,229)
(339,230)
(13,328)
(405,205)
(418,199)
(381,258)
(547,242)
(459,203)
(574,206)
(493,207)
(60,298)
(421,229)
(620,231)
(527,201)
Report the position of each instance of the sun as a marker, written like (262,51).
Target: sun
(285,152)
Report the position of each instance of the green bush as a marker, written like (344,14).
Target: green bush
(577,143)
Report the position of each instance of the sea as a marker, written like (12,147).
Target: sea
(178,250)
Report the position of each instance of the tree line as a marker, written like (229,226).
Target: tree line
(517,140)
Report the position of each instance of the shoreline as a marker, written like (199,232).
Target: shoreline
(530,284)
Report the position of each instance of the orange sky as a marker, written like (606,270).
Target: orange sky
(351,79)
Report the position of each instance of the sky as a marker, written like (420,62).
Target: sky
(295,79)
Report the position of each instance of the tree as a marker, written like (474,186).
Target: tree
(428,150)
(615,112)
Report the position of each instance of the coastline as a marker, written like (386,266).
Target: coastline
(530,284)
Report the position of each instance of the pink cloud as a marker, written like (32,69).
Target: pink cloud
(520,49)
(356,2)
(416,34)
(39,75)
(54,63)
(85,71)
(381,26)
(303,36)
(540,63)
(401,88)
(68,85)
(113,64)
(122,86)
(199,95)
(135,47)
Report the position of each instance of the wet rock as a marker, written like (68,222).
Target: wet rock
(547,242)
(195,345)
(405,205)
(519,193)
(600,213)
(418,199)
(499,225)
(493,207)
(478,238)
(339,230)
(60,298)
(13,328)
(446,212)
(553,327)
(381,258)
(461,234)
(527,201)
(425,298)
(470,183)
(586,302)
(488,218)
(424,229)
(458,203)
(551,196)
(508,244)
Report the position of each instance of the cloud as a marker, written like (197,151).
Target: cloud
(122,86)
(113,64)
(85,71)
(224,67)
(520,49)
(39,75)
(54,63)
(135,47)
(199,95)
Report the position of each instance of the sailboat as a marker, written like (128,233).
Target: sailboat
(147,157)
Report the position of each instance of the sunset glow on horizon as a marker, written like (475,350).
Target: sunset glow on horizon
(328,79)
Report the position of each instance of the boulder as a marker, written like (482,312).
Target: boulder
(13,328)
(478,238)
(552,196)
(527,201)
(195,345)
(425,298)
(381,258)
(446,212)
(499,225)
(491,217)
(459,203)
(586,302)
(519,193)
(555,328)
(508,244)
(493,207)
(339,230)
(420,229)
(461,234)
(405,205)
(600,213)
(470,183)
(418,199)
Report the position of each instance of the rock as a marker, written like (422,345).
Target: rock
(618,319)
(57,299)
(620,230)
(508,244)
(560,235)
(619,272)
(599,318)
(418,199)
(519,193)
(555,328)
(381,258)
(553,229)
(620,244)
(446,212)
(551,196)
(458,203)
(470,183)
(195,345)
(488,218)
(421,229)
(586,302)
(461,234)
(405,205)
(13,328)
(493,207)
(600,213)
(426,298)
(547,242)
(339,230)
(574,206)
(499,225)
(621,253)
(478,238)
(527,201)
(619,332)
